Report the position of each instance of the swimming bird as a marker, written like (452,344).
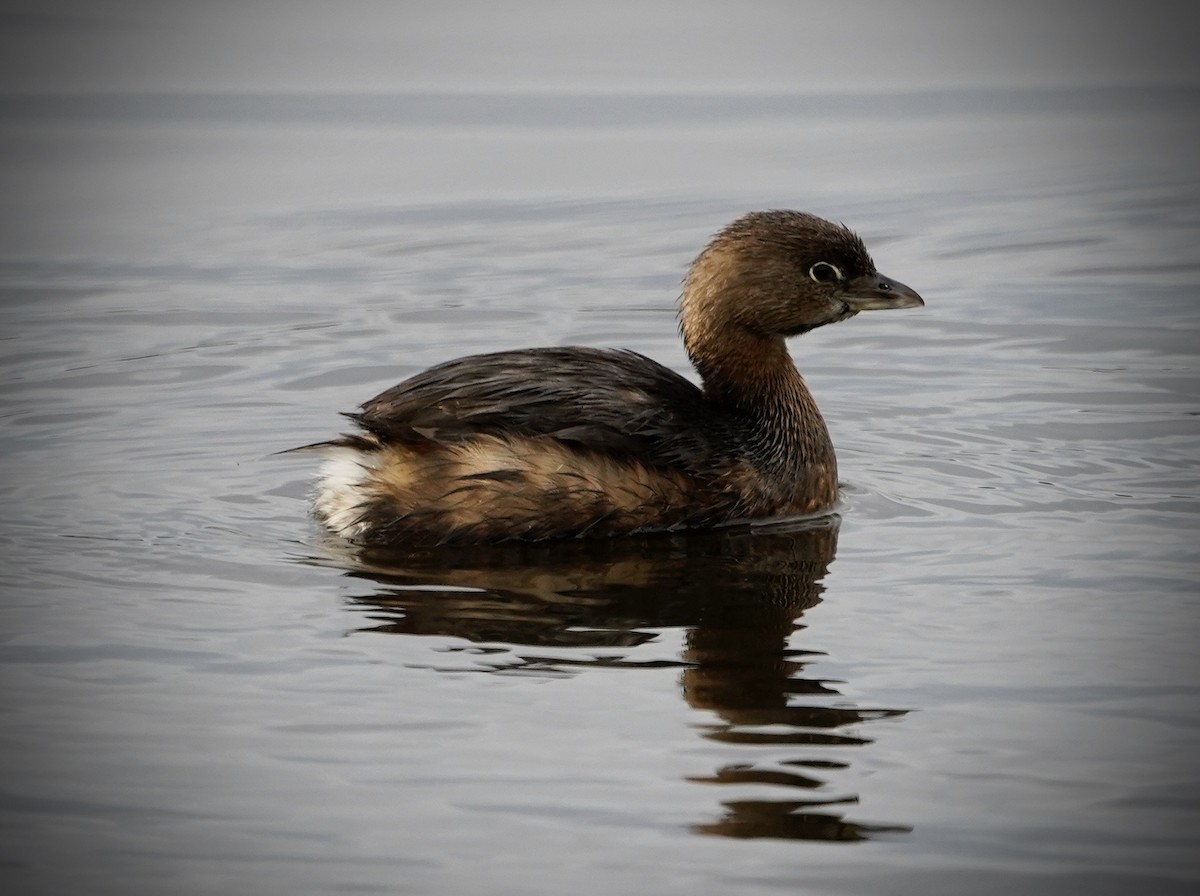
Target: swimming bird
(561,442)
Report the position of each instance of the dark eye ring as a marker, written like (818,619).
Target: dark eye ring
(824,272)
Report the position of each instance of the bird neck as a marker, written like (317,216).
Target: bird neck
(754,381)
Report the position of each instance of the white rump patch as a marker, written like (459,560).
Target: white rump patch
(344,488)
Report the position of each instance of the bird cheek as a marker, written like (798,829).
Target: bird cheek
(836,310)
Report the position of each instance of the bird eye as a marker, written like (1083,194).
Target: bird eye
(824,272)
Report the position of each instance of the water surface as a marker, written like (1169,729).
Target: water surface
(978,677)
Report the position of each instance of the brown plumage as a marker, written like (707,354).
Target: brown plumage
(566,442)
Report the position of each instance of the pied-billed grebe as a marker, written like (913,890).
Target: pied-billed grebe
(566,442)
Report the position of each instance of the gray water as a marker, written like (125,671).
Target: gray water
(979,677)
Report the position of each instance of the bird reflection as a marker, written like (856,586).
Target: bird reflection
(738,595)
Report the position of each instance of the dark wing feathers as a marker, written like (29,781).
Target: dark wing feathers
(606,400)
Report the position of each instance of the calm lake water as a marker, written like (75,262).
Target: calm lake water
(980,677)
